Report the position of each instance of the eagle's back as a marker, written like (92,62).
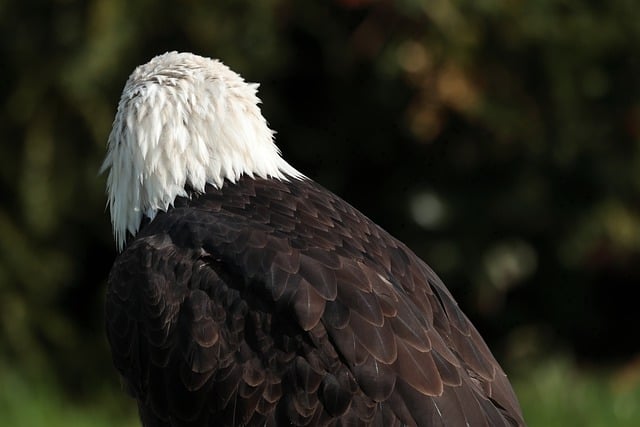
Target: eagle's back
(274,302)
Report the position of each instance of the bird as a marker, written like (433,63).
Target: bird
(243,293)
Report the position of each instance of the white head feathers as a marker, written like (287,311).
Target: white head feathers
(183,121)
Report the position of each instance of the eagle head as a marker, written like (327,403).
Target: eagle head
(183,122)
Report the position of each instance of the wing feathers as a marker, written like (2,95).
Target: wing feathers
(379,341)
(308,305)
(271,303)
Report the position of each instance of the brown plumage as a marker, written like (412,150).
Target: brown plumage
(268,303)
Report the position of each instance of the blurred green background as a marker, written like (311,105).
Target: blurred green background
(500,139)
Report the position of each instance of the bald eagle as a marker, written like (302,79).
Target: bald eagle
(245,294)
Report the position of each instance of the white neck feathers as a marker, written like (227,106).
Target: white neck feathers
(183,121)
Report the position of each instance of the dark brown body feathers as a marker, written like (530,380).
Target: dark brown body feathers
(271,303)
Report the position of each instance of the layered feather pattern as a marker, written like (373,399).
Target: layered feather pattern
(267,303)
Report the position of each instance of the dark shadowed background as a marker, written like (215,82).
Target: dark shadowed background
(499,139)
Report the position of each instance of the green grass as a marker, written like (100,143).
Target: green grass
(553,393)
(24,403)
(556,393)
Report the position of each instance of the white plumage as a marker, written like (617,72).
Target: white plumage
(181,109)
